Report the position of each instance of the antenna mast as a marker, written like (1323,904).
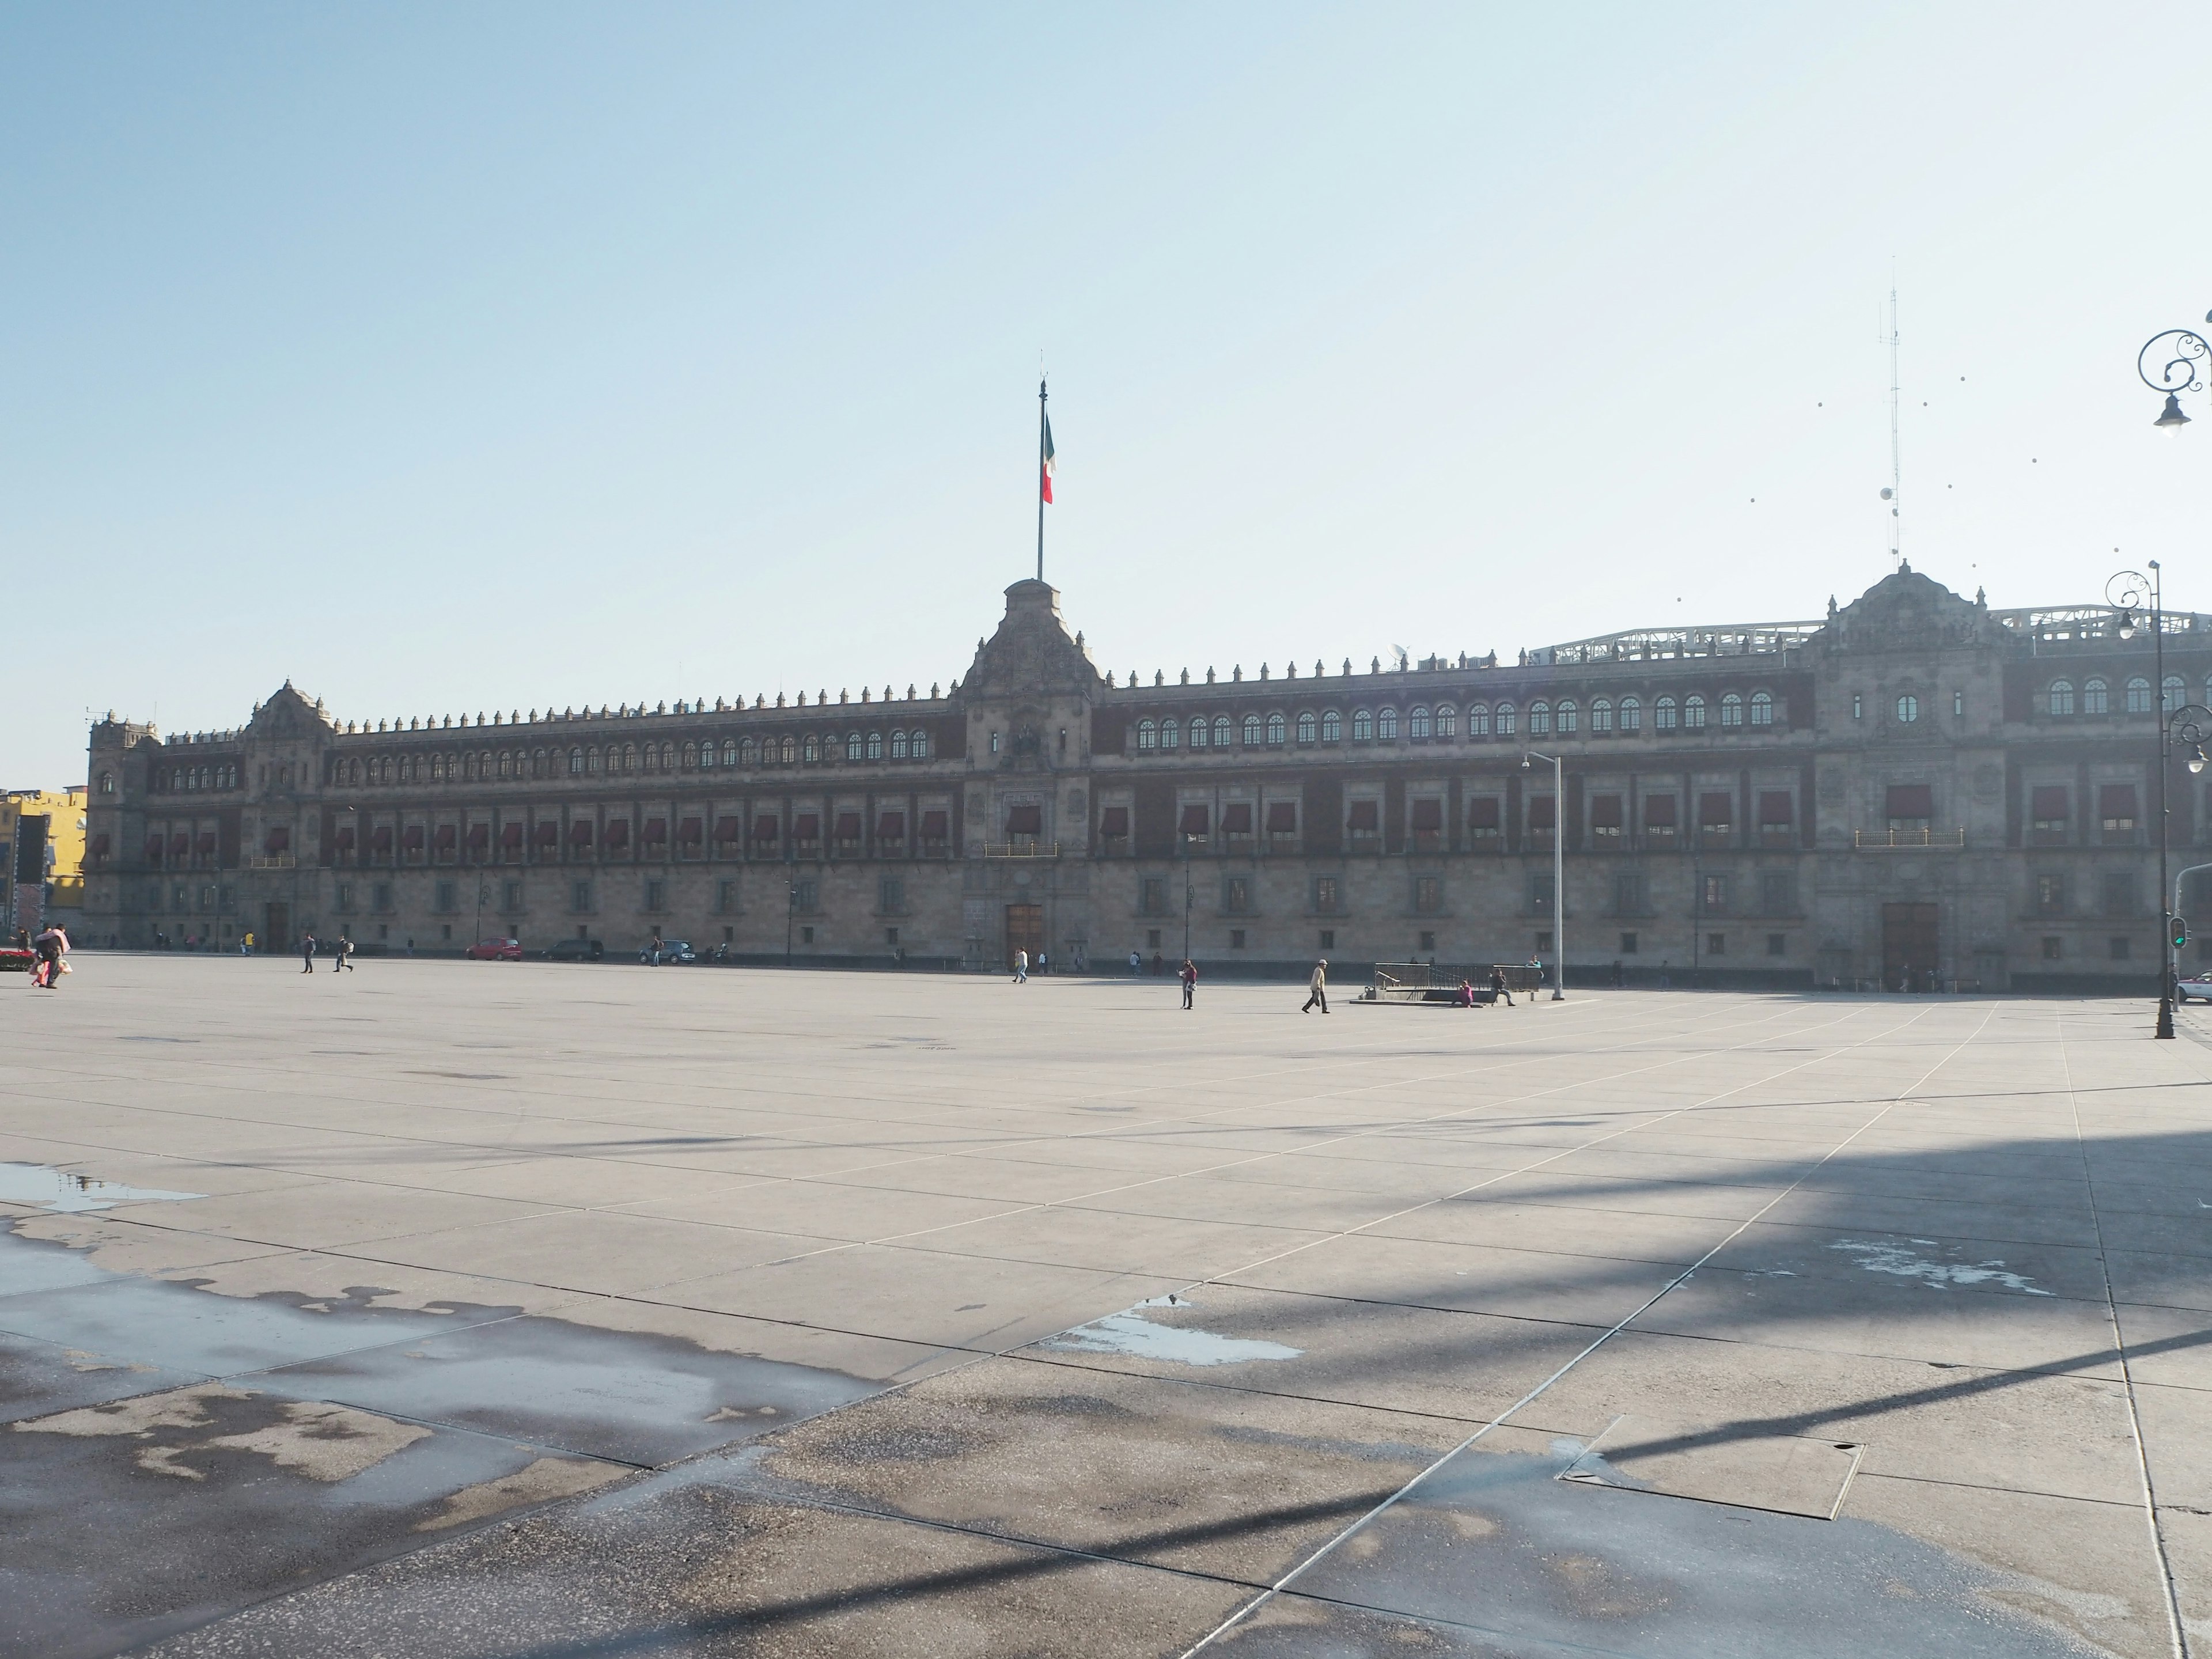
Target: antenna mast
(1896,475)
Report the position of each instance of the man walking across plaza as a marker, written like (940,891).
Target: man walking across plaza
(345,953)
(1189,977)
(1136,964)
(306,953)
(1498,991)
(1317,987)
(1021,967)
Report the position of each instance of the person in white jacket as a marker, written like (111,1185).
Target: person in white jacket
(1317,986)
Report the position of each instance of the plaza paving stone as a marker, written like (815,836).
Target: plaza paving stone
(553,1310)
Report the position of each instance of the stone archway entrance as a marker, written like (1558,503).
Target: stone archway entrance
(1909,942)
(1024,931)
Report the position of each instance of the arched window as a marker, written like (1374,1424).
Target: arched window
(1693,711)
(2139,695)
(1506,719)
(1908,709)
(647,755)
(813,748)
(899,748)
(2061,696)
(875,745)
(747,752)
(707,753)
(1253,729)
(108,781)
(1447,720)
(1148,736)
(1631,714)
(1539,720)
(1199,730)
(575,763)
(2176,691)
(592,760)
(1569,719)
(1277,729)
(921,745)
(790,748)
(691,756)
(1478,720)
(1731,709)
(856,745)
(1307,728)
(1170,734)
(1601,717)
(668,756)
(1663,717)
(1332,727)
(2094,698)
(1386,726)
(1417,723)
(1221,731)
(1762,708)
(1362,725)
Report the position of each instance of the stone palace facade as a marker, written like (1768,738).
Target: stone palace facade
(1918,783)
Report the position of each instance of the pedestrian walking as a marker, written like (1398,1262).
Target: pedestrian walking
(1044,962)
(246,944)
(1317,986)
(654,948)
(345,953)
(1136,965)
(1021,967)
(1497,985)
(306,953)
(1189,977)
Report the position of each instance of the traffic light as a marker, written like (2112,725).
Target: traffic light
(2178,930)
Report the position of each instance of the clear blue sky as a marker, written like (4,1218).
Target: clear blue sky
(447,358)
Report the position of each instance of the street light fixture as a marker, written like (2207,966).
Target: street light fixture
(2129,592)
(1558,871)
(1189,891)
(2179,355)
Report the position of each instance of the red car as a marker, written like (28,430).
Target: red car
(494,950)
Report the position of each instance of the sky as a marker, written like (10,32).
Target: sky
(447,359)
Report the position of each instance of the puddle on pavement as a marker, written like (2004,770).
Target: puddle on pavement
(1131,1333)
(1878,1258)
(59,1189)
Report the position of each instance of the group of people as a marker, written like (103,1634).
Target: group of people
(50,947)
(343,949)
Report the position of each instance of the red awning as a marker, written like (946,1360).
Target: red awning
(2050,803)
(1915,800)
(180,841)
(765,827)
(448,837)
(806,826)
(2116,800)
(1282,818)
(1716,809)
(548,835)
(154,848)
(1366,817)
(100,844)
(617,832)
(1543,812)
(1113,822)
(848,826)
(412,841)
(1659,812)
(345,841)
(727,830)
(1236,819)
(380,839)
(580,833)
(656,830)
(279,839)
(479,835)
(936,826)
(1775,808)
(1482,813)
(1194,820)
(691,831)
(207,841)
(510,834)
(1025,820)
(1605,812)
(1428,815)
(890,826)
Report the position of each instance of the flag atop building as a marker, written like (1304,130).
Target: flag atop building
(1044,477)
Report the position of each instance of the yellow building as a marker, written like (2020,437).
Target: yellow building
(58,847)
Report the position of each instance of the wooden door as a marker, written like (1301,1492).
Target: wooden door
(276,934)
(1024,931)
(1908,945)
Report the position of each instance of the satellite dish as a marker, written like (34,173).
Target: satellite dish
(1886,492)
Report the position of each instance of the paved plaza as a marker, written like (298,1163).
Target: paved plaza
(450,1309)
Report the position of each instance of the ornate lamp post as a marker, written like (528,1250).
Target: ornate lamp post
(2129,592)
(2180,355)
(1559,871)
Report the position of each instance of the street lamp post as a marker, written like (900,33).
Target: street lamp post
(1558,871)
(2130,591)
(790,914)
(1190,891)
(2179,355)
(2191,726)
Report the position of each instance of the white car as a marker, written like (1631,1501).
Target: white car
(2198,985)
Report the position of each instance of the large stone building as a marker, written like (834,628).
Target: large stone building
(1916,782)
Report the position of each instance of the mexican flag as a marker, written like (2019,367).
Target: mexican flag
(1044,479)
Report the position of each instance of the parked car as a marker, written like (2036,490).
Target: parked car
(494,950)
(576,950)
(671,950)
(2195,985)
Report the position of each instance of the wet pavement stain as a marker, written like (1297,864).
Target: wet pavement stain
(61,1191)
(1131,1333)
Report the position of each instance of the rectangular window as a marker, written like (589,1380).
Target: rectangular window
(726,896)
(807,934)
(1236,895)
(1364,817)
(447,895)
(1778,944)
(1716,945)
(2050,894)
(1325,895)
(510,896)
(1328,939)
(1957,705)
(1776,816)
(1154,899)
(890,936)
(1483,818)
(806,896)
(2047,813)
(2116,810)
(1777,893)
(1540,894)
(1858,707)
(1428,941)
(383,896)
(1606,820)
(893,898)
(2054,947)
(1152,939)
(656,896)
(580,895)
(1630,893)
(345,896)
(1543,941)
(1715,896)
(1659,824)
(1428,895)
(1909,806)
(1628,944)
(1237,939)
(1716,816)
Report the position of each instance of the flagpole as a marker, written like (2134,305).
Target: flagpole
(1041,430)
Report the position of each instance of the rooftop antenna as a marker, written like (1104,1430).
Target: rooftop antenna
(1896,474)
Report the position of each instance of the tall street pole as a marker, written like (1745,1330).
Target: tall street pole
(1558,871)
(1042,430)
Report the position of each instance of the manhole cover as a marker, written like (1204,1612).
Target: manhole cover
(1789,1475)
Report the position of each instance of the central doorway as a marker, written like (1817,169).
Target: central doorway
(1908,945)
(277,933)
(1024,931)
